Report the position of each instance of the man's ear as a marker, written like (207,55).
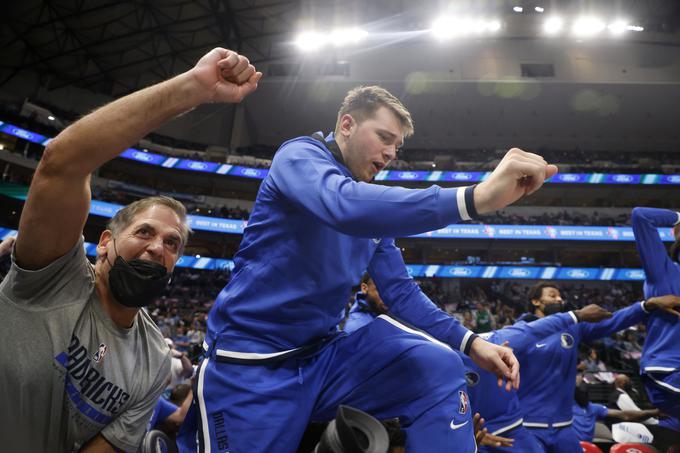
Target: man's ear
(347,122)
(103,246)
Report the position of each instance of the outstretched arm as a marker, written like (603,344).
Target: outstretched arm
(59,196)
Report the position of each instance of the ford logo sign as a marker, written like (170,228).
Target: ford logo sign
(408,175)
(577,273)
(251,172)
(460,271)
(637,275)
(623,178)
(198,165)
(674,178)
(569,178)
(142,156)
(462,176)
(518,272)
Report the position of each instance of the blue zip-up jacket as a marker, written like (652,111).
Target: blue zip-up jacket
(359,315)
(548,367)
(500,408)
(312,232)
(661,351)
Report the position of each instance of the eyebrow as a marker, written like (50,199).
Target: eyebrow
(392,136)
(173,235)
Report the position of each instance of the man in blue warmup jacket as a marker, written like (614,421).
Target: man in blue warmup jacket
(660,363)
(275,359)
(549,366)
(501,410)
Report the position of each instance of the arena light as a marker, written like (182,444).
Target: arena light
(517,9)
(448,27)
(310,41)
(347,36)
(553,25)
(587,26)
(539,9)
(635,28)
(617,28)
(51,118)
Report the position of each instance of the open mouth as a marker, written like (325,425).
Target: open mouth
(377,166)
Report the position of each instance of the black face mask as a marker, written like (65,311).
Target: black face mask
(551,309)
(136,283)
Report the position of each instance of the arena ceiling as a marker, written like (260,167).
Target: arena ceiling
(116,47)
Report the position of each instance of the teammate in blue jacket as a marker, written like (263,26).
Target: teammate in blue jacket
(275,359)
(549,366)
(500,409)
(367,305)
(660,363)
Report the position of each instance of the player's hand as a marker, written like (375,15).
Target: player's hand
(592,313)
(498,360)
(6,245)
(666,303)
(518,174)
(485,438)
(225,76)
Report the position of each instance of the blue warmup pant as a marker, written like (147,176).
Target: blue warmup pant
(525,442)
(557,440)
(663,390)
(385,369)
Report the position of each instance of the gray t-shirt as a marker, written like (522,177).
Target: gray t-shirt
(67,371)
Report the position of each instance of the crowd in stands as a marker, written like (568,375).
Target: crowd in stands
(570,160)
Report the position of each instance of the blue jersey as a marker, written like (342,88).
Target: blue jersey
(312,232)
(585,418)
(161,411)
(359,315)
(500,408)
(548,371)
(662,276)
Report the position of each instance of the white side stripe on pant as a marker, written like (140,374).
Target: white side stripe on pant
(201,406)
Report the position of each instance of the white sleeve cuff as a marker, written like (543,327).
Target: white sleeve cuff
(642,305)
(573,316)
(462,207)
(677,221)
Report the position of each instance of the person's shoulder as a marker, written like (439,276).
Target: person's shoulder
(302,147)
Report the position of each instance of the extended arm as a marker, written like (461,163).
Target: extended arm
(655,259)
(59,196)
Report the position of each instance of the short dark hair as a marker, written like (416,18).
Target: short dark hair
(536,291)
(365,278)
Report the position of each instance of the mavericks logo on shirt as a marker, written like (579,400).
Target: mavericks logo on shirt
(567,341)
(90,392)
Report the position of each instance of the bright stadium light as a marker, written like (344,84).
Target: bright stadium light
(617,28)
(346,36)
(310,41)
(635,28)
(585,27)
(539,9)
(493,25)
(448,27)
(517,9)
(51,118)
(553,25)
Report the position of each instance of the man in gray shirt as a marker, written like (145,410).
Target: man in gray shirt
(82,364)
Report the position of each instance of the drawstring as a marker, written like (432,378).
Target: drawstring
(301,379)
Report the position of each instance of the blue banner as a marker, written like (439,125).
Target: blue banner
(385,175)
(435,270)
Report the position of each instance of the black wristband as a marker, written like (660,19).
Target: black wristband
(466,351)
(470,202)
